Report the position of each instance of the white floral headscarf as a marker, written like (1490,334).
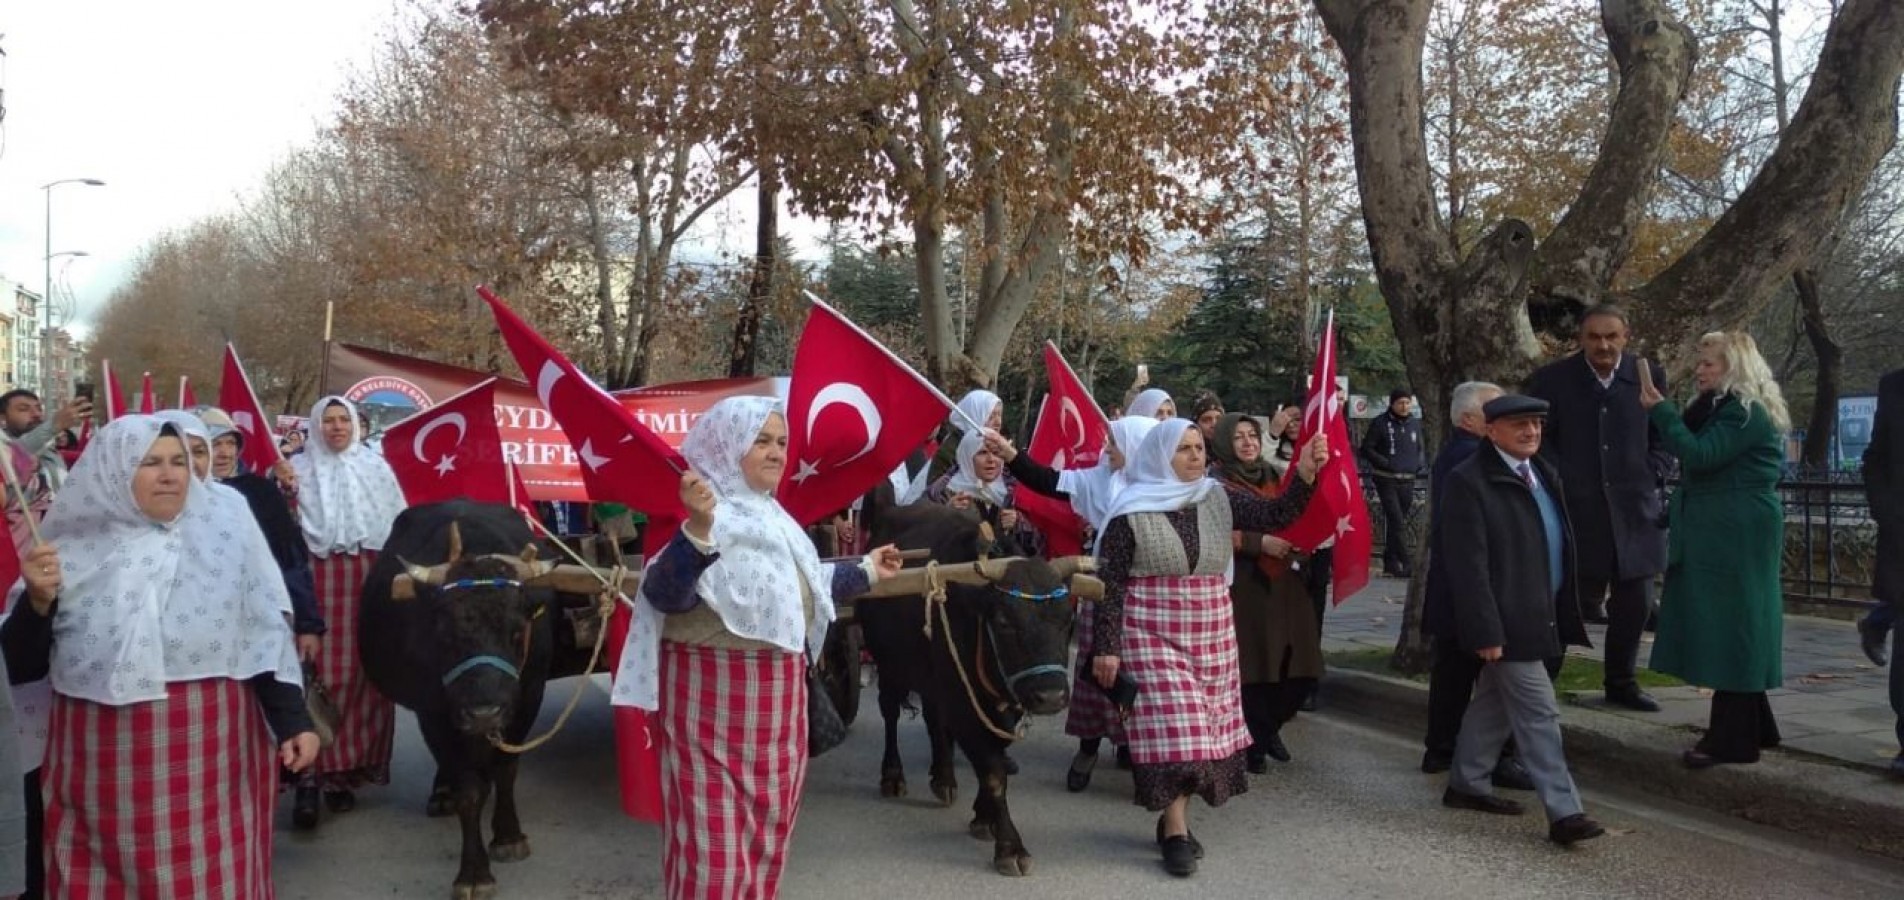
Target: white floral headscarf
(347,500)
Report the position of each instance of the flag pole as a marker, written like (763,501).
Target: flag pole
(936,393)
(26,509)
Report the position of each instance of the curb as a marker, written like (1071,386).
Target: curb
(1844,805)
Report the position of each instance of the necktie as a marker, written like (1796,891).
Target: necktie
(1527,474)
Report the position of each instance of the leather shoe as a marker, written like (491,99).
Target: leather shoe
(1632,698)
(304,808)
(1897,767)
(1276,749)
(1574,829)
(1256,763)
(1434,763)
(1196,846)
(1180,856)
(340,801)
(1698,759)
(1871,641)
(1510,775)
(1486,803)
(1079,777)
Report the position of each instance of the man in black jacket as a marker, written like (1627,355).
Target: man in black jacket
(1613,464)
(1884,486)
(1395,457)
(1508,550)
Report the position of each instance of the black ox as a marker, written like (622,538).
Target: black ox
(990,656)
(471,658)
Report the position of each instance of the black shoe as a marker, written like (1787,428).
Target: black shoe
(1312,700)
(1486,803)
(1011,765)
(340,801)
(1123,757)
(1256,763)
(1079,777)
(1180,856)
(1196,846)
(1632,698)
(1696,759)
(1574,829)
(1510,775)
(1871,641)
(1435,762)
(1274,746)
(304,808)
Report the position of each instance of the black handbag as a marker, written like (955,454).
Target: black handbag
(825,728)
(1123,690)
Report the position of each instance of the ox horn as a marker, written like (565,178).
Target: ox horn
(420,574)
(456,542)
(529,553)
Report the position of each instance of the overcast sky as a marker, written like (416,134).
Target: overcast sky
(177,106)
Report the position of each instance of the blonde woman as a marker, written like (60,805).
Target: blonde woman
(1721,618)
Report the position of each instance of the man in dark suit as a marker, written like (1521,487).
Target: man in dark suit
(1509,549)
(1884,485)
(1611,460)
(1395,455)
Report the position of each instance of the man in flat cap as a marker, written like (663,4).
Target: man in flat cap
(1509,555)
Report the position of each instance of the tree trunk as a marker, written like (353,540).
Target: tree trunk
(605,318)
(741,356)
(1824,405)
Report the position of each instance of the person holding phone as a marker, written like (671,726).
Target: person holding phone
(25,422)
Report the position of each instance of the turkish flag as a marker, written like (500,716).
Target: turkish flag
(854,413)
(1338,510)
(187,398)
(148,404)
(115,395)
(1071,429)
(622,461)
(238,400)
(451,450)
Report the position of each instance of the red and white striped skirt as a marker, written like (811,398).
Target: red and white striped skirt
(367,722)
(1180,645)
(1090,714)
(163,799)
(733,762)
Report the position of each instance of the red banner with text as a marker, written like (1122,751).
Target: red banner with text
(391,386)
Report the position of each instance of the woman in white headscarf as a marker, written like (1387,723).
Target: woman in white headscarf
(347,500)
(727,616)
(1154,403)
(977,406)
(172,664)
(980,482)
(1166,618)
(1090,717)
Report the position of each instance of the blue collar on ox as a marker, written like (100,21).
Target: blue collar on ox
(482,659)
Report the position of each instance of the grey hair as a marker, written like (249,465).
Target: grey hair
(1467,398)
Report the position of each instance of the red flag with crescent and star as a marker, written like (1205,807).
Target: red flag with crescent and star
(1338,511)
(854,412)
(1070,434)
(451,450)
(238,400)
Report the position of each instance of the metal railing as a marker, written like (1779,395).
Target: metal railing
(1830,550)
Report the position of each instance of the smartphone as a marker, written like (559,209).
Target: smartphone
(1143,372)
(83,390)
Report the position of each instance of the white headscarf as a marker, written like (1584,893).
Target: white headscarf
(965,478)
(977,406)
(1093,490)
(1147,403)
(765,556)
(143,604)
(1153,484)
(188,426)
(347,500)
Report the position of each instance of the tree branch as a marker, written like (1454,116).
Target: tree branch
(1578,261)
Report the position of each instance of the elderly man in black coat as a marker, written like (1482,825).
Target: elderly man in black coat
(1884,485)
(1508,549)
(1614,466)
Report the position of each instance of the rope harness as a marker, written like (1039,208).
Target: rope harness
(605,608)
(1006,701)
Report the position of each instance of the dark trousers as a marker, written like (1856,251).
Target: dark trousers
(1631,603)
(1897,682)
(35,839)
(1740,727)
(1268,707)
(1398,497)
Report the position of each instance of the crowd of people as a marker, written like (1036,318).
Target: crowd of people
(148,635)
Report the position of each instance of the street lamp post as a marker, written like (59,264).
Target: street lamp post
(46,284)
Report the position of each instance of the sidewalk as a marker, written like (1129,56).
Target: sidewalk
(1826,781)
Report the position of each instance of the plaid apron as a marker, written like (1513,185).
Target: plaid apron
(733,761)
(1180,645)
(1090,714)
(165,799)
(366,726)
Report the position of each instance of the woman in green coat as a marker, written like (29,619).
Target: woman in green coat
(1721,618)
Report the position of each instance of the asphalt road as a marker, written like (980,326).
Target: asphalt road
(1349,817)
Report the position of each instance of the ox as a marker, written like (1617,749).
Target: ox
(992,655)
(470,656)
